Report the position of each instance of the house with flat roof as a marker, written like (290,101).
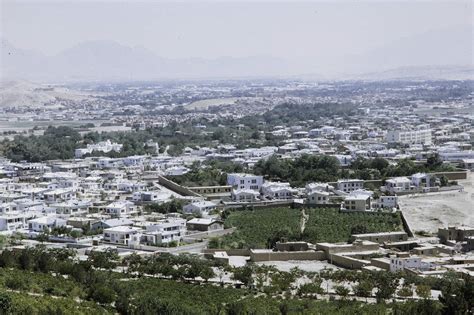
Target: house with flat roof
(244,181)
(198,224)
(245,195)
(348,185)
(120,234)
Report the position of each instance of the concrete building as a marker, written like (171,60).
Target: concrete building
(348,185)
(410,262)
(386,202)
(245,195)
(204,225)
(120,234)
(318,197)
(46,223)
(418,136)
(244,181)
(398,185)
(199,207)
(357,202)
(277,190)
(381,237)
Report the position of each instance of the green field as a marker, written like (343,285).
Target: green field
(255,228)
(261,228)
(331,225)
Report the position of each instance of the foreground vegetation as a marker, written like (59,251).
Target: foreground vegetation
(51,281)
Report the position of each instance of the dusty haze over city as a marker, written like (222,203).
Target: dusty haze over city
(74,40)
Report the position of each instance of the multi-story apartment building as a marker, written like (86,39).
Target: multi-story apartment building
(244,181)
(417,136)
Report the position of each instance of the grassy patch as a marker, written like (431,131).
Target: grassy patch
(255,228)
(331,225)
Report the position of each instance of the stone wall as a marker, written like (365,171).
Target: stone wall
(285,256)
(347,262)
(176,188)
(456,175)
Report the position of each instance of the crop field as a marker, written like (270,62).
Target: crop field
(331,225)
(255,228)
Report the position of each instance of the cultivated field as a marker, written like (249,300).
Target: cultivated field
(428,212)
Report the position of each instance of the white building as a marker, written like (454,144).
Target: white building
(13,221)
(60,194)
(349,185)
(413,262)
(277,190)
(357,202)
(245,195)
(397,185)
(103,146)
(244,181)
(418,136)
(177,171)
(318,186)
(46,223)
(318,197)
(387,202)
(120,234)
(422,180)
(199,208)
(164,232)
(456,156)
(120,208)
(72,207)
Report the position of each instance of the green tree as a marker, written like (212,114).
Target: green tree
(423,291)
(243,274)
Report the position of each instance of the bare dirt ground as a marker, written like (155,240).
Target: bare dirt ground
(428,212)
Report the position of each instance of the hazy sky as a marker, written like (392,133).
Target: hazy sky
(212,29)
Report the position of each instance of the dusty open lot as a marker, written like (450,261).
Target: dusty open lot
(428,212)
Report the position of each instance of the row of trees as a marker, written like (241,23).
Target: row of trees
(322,168)
(307,168)
(56,272)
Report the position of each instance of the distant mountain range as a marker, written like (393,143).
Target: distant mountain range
(428,54)
(420,73)
(108,60)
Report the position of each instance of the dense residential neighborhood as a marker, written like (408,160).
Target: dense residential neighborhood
(321,194)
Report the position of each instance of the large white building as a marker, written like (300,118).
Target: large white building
(349,185)
(244,181)
(103,146)
(417,136)
(278,190)
(412,262)
(397,185)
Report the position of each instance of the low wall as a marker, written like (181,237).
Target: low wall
(229,252)
(207,234)
(461,174)
(347,262)
(406,227)
(259,205)
(285,256)
(309,205)
(332,249)
(381,263)
(176,187)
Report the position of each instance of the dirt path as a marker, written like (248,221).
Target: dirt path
(304,219)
